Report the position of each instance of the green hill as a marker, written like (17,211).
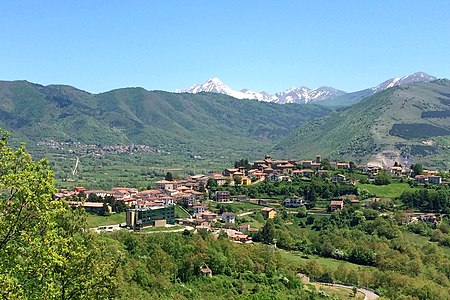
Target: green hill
(406,124)
(204,123)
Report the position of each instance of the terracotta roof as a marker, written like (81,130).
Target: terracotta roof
(268,209)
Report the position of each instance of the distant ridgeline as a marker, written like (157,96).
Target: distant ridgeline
(408,123)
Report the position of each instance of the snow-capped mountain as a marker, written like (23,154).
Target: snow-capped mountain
(303,94)
(413,78)
(292,95)
(214,85)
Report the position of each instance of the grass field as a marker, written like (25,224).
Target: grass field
(179,213)
(330,263)
(96,220)
(386,191)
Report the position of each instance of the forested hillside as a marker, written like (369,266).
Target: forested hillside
(204,122)
(406,124)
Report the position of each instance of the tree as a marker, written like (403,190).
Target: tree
(169,176)
(45,251)
(211,183)
(267,232)
(382,178)
(417,168)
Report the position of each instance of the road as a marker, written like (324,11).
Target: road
(167,231)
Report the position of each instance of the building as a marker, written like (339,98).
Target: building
(435,179)
(209,216)
(150,216)
(338,178)
(166,185)
(92,207)
(229,218)
(336,204)
(293,202)
(222,196)
(268,212)
(199,208)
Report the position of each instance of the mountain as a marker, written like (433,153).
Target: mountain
(207,123)
(292,95)
(326,96)
(352,98)
(214,85)
(406,123)
(413,78)
(306,95)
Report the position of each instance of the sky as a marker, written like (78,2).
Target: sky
(261,45)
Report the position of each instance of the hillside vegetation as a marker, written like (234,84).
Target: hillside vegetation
(405,124)
(201,123)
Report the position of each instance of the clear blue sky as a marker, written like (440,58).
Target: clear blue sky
(261,45)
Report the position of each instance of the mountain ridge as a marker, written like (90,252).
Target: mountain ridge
(302,94)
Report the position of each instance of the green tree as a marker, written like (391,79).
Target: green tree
(382,178)
(45,251)
(169,176)
(267,232)
(417,168)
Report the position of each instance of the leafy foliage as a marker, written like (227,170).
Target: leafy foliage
(45,251)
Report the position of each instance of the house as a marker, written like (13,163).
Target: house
(222,196)
(166,185)
(209,216)
(92,207)
(199,209)
(338,178)
(230,172)
(247,228)
(293,202)
(431,218)
(435,179)
(286,168)
(268,212)
(303,172)
(336,204)
(421,178)
(206,271)
(307,164)
(229,218)
(187,199)
(246,181)
(340,165)
(220,179)
(79,189)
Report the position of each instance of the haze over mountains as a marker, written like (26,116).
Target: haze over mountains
(304,94)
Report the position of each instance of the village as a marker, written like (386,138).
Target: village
(196,202)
